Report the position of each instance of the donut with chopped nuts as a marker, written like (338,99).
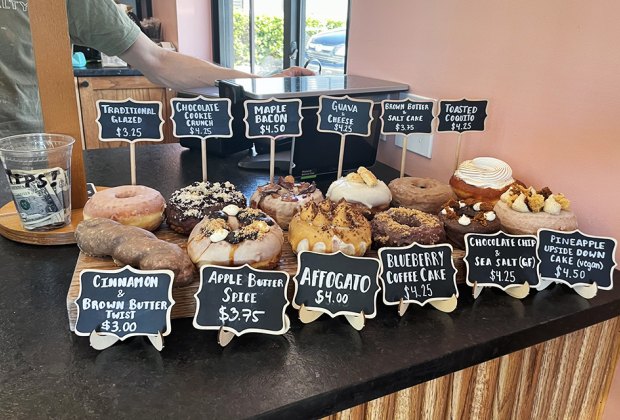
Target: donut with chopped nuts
(233,237)
(461,217)
(400,226)
(187,206)
(283,199)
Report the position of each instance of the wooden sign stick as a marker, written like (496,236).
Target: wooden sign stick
(341,157)
(458,152)
(203,150)
(132,162)
(272,160)
(403,156)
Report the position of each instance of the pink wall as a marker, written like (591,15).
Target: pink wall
(187,24)
(550,69)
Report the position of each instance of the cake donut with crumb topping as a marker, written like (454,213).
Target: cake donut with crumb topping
(233,237)
(400,226)
(468,216)
(187,206)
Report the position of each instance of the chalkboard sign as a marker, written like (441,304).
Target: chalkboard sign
(574,258)
(201,117)
(417,274)
(343,115)
(463,115)
(124,302)
(272,118)
(406,116)
(336,284)
(501,260)
(242,299)
(129,120)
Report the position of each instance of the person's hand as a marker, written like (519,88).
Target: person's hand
(294,71)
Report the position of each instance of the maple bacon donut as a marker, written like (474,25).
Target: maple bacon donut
(284,198)
(132,205)
(424,194)
(233,237)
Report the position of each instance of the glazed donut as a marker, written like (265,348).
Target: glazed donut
(424,194)
(482,179)
(328,227)
(233,237)
(400,226)
(523,211)
(190,204)
(470,216)
(133,205)
(363,190)
(282,200)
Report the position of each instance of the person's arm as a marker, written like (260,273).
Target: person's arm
(181,72)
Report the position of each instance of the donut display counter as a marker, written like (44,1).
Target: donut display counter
(552,353)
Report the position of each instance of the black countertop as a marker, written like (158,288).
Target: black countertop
(96,70)
(313,370)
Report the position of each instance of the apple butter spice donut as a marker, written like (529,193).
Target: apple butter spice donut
(363,190)
(523,211)
(134,205)
(233,237)
(424,194)
(468,216)
(401,226)
(328,227)
(130,245)
(283,199)
(190,204)
(482,179)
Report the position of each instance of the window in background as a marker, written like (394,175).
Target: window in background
(263,36)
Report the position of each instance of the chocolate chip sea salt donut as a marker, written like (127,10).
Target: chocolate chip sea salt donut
(190,204)
(425,194)
(400,226)
(468,216)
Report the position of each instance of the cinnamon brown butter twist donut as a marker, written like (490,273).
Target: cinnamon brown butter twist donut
(130,245)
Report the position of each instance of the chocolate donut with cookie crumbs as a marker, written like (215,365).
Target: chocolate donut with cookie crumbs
(190,204)
(233,237)
(400,226)
(461,217)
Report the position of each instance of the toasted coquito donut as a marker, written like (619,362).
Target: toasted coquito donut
(233,237)
(424,194)
(482,179)
(132,205)
(328,227)
(284,198)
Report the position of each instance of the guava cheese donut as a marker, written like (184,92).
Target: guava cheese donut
(424,194)
(363,189)
(282,200)
(523,211)
(132,205)
(328,227)
(482,179)
(400,226)
(233,237)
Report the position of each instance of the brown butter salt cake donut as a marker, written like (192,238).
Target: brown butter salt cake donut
(424,194)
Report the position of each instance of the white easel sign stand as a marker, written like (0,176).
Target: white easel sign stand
(202,118)
(130,121)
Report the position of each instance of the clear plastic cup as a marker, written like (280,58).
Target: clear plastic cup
(38,168)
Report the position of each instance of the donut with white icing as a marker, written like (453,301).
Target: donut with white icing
(363,190)
(482,179)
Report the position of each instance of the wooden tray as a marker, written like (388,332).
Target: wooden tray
(185,306)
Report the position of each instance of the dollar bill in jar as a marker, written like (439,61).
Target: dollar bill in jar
(42,197)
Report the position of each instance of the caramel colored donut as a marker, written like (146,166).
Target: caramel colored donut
(328,227)
(400,226)
(282,200)
(234,237)
(523,211)
(482,179)
(470,216)
(424,194)
(187,206)
(133,205)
